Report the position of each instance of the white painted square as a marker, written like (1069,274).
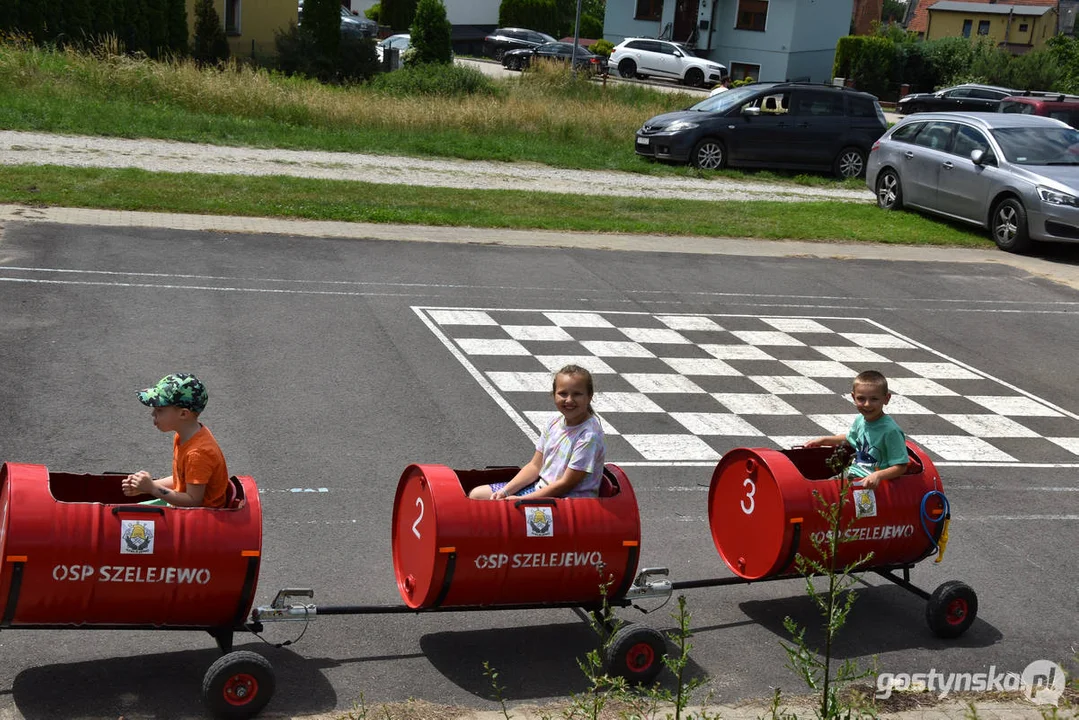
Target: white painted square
(461,317)
(1071,444)
(688,322)
(833,424)
(521,381)
(903,405)
(940,370)
(591,363)
(877,340)
(962,447)
(672,447)
(755,404)
(485,346)
(701,366)
(918,386)
(537,332)
(990,426)
(578,319)
(796,325)
(785,442)
(615,348)
(850,353)
(766,337)
(790,385)
(540,418)
(661,383)
(655,335)
(820,368)
(1014,405)
(736,352)
(624,402)
(715,424)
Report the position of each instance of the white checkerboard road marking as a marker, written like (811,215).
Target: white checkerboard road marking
(685,389)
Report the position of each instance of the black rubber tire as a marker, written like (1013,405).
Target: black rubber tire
(850,163)
(627,69)
(708,154)
(498,53)
(238,685)
(889,190)
(952,609)
(1008,223)
(514,63)
(694,77)
(636,653)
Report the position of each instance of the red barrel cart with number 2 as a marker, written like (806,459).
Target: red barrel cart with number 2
(77,554)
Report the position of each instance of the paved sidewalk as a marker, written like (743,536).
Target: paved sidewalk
(1061,272)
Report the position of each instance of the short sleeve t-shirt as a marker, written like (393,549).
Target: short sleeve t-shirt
(199,461)
(877,445)
(577,447)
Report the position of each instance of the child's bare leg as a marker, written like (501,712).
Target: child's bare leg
(481,492)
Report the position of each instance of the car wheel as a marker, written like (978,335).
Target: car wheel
(889,192)
(1009,226)
(694,77)
(627,69)
(513,63)
(850,163)
(498,53)
(708,154)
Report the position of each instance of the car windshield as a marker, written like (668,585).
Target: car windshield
(1039,145)
(724,101)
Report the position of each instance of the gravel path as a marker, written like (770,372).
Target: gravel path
(22,148)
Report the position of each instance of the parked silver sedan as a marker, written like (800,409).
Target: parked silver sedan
(1017,175)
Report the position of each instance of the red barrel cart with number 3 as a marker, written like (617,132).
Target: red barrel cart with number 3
(77,554)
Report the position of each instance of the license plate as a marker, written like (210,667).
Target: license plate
(642,141)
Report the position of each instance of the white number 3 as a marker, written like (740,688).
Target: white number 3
(747,509)
(415,528)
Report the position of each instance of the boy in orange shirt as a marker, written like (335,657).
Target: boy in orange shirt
(199,475)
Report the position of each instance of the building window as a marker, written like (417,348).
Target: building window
(649,10)
(752,15)
(744,71)
(1023,27)
(967,25)
(232,17)
(983,27)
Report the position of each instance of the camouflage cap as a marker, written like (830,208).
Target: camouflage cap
(179,389)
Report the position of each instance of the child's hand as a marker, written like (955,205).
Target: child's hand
(500,495)
(140,483)
(870,481)
(815,442)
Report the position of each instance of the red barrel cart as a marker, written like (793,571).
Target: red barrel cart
(77,553)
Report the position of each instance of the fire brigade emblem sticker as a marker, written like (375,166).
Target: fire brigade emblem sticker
(865,503)
(136,537)
(540,522)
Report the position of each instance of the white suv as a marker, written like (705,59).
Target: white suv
(642,57)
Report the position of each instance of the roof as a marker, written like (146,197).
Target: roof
(985,120)
(986,9)
(919,18)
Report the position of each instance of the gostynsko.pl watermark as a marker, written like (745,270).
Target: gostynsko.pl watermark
(1042,682)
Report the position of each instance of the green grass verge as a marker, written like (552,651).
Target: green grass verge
(289,197)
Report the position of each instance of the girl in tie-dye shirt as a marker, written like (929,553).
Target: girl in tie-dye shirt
(570,453)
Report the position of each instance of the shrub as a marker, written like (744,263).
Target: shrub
(374,12)
(211,47)
(872,69)
(430,32)
(398,14)
(298,53)
(591,26)
(603,47)
(441,80)
(541,15)
(322,19)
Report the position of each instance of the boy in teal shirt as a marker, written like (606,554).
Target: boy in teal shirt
(880,447)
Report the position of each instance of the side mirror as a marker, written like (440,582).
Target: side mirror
(977,157)
(750,110)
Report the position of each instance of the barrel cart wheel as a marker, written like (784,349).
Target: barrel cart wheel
(238,685)
(636,653)
(952,609)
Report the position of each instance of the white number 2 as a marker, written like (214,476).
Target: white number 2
(415,528)
(748,510)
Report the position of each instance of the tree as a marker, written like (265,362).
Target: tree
(176,24)
(398,14)
(430,41)
(893,10)
(322,21)
(211,45)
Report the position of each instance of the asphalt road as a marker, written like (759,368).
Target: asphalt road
(323,378)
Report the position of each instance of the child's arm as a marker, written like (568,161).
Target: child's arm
(875,478)
(141,483)
(524,477)
(826,441)
(563,486)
